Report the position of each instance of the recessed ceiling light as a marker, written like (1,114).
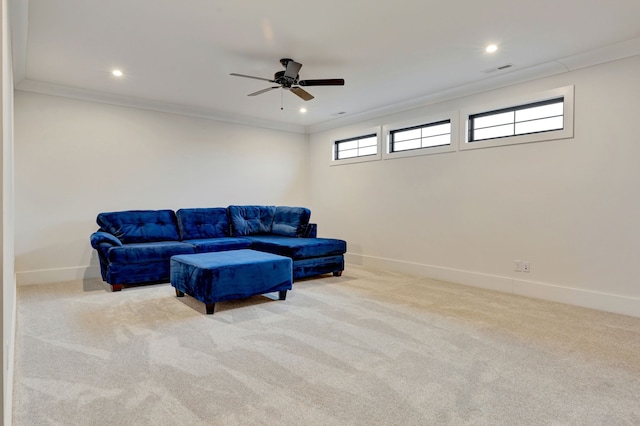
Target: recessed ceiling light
(303,110)
(491,48)
(117,73)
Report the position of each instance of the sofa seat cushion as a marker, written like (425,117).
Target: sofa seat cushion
(148,252)
(140,226)
(251,220)
(298,248)
(219,244)
(290,221)
(201,223)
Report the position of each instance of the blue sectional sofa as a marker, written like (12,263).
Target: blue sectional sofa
(135,246)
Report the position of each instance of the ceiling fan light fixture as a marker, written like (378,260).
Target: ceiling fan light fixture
(303,110)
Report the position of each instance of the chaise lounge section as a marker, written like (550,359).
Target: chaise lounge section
(136,246)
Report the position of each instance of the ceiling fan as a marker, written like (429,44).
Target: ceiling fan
(289,80)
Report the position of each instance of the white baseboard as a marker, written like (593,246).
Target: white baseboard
(45,276)
(624,305)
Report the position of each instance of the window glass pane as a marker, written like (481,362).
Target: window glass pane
(406,135)
(440,129)
(347,145)
(493,132)
(405,145)
(368,150)
(424,136)
(436,141)
(347,154)
(542,125)
(369,141)
(493,120)
(543,111)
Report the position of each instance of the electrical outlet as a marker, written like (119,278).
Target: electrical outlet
(517,265)
(526,267)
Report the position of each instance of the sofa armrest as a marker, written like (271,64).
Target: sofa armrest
(100,237)
(311,231)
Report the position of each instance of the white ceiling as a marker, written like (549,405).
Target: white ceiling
(177,55)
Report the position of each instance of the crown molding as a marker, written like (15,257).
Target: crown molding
(43,88)
(593,57)
(19,19)
(613,52)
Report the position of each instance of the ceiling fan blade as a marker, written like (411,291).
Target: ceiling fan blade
(292,69)
(322,82)
(259,92)
(301,93)
(250,76)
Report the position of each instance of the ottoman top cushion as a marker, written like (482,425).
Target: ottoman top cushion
(227,258)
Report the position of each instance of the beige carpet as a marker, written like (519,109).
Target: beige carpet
(368,348)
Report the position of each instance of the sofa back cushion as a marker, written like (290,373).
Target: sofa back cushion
(251,220)
(197,224)
(290,221)
(140,226)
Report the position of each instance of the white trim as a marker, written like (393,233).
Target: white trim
(624,305)
(567,132)
(355,134)
(106,98)
(473,279)
(452,147)
(601,55)
(613,52)
(45,276)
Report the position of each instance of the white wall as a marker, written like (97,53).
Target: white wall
(569,207)
(74,159)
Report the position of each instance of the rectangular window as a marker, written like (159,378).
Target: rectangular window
(360,146)
(536,117)
(419,137)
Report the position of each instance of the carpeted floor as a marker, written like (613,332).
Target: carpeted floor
(367,348)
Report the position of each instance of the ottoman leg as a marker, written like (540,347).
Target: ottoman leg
(179,293)
(210,308)
(116,287)
(282,294)
(337,273)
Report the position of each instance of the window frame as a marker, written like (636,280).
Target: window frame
(567,93)
(365,133)
(451,116)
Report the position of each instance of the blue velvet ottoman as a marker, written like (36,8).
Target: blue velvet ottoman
(214,277)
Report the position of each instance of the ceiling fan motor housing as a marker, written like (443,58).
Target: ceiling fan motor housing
(284,80)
